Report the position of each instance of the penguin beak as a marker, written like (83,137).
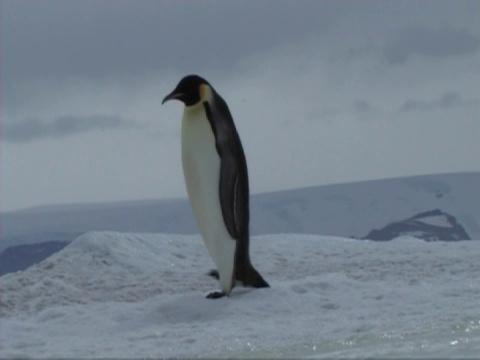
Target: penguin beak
(172,96)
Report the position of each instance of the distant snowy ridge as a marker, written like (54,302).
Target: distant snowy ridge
(134,295)
(344,210)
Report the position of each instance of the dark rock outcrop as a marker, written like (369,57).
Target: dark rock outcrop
(434,225)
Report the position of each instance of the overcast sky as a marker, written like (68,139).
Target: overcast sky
(321,92)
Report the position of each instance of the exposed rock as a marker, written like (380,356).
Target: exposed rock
(434,225)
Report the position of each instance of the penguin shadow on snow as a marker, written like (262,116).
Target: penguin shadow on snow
(189,309)
(197,308)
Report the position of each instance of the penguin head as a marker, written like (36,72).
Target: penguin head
(188,90)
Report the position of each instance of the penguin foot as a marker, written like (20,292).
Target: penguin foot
(216,295)
(214,274)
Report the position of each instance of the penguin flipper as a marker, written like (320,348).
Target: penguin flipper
(227,192)
(233,187)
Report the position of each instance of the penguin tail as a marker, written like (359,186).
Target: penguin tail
(252,278)
(249,278)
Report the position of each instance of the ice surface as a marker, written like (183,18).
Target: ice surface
(143,295)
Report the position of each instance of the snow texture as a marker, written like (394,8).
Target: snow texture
(120,295)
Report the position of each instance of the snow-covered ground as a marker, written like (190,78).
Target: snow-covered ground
(119,295)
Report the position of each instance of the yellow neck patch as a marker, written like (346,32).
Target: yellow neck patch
(206,93)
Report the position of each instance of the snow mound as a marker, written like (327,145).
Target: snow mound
(143,295)
(104,266)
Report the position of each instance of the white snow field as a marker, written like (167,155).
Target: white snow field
(120,295)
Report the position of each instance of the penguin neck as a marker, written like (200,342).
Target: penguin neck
(193,110)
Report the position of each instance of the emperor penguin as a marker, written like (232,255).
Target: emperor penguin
(216,177)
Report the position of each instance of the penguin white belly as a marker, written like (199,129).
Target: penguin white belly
(201,169)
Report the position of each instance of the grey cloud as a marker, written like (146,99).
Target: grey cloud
(359,51)
(361,106)
(440,42)
(69,125)
(123,41)
(445,101)
(58,38)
